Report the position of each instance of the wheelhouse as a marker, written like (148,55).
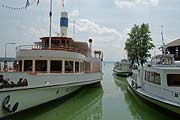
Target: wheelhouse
(167,59)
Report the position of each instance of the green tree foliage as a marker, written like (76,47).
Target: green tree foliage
(138,44)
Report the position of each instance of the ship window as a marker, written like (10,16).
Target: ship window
(68,43)
(81,67)
(153,77)
(87,66)
(55,43)
(68,66)
(76,67)
(63,42)
(147,78)
(27,65)
(56,66)
(173,79)
(157,78)
(41,65)
(145,75)
(20,65)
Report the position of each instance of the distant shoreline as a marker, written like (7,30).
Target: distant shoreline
(9,59)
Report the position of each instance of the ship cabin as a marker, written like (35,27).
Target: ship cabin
(63,56)
(164,59)
(125,64)
(159,70)
(122,65)
(162,78)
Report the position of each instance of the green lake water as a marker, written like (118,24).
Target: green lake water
(109,101)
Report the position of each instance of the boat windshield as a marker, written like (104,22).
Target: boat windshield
(163,60)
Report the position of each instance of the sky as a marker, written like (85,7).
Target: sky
(107,22)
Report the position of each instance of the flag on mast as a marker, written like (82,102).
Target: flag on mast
(37,2)
(27,4)
(63,4)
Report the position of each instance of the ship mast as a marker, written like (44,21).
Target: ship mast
(50,23)
(163,47)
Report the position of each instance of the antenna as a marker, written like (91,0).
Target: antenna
(62,2)
(163,47)
(73,29)
(154,50)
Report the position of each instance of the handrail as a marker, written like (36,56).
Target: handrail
(62,48)
(26,47)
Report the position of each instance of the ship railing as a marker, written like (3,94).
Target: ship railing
(27,47)
(61,48)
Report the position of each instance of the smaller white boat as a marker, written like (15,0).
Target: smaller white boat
(122,68)
(158,82)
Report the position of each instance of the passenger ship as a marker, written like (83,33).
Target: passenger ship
(122,68)
(50,69)
(158,82)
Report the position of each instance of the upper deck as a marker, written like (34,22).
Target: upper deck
(164,59)
(58,43)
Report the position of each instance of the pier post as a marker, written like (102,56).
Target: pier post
(74,67)
(48,66)
(22,65)
(63,66)
(33,66)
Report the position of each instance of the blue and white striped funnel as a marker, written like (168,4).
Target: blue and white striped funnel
(64,24)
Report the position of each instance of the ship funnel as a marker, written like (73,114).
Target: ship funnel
(64,24)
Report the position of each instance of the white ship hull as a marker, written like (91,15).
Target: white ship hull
(123,73)
(37,93)
(154,99)
(32,97)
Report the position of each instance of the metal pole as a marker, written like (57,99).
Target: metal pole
(5,51)
(164,46)
(50,22)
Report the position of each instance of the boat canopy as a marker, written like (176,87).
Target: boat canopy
(164,59)
(125,61)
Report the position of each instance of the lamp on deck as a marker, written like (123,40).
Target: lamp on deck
(90,47)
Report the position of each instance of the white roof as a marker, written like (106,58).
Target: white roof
(174,43)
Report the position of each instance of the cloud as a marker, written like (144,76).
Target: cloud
(107,39)
(86,25)
(134,3)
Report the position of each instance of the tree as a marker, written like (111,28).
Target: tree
(138,44)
